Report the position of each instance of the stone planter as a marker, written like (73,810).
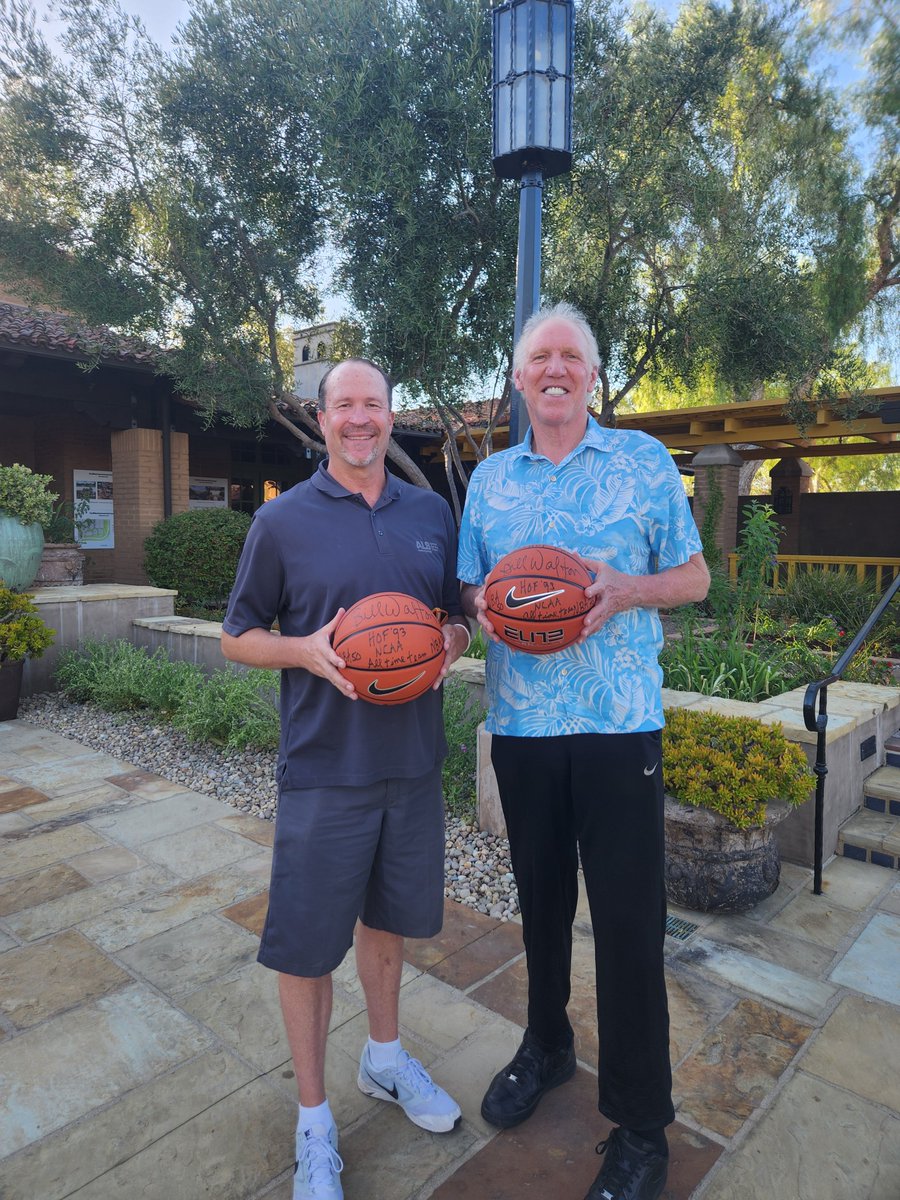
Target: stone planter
(10,688)
(62,565)
(713,867)
(20,551)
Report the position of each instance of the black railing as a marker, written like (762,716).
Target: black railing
(817,722)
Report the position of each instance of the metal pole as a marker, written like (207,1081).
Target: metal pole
(821,770)
(528,283)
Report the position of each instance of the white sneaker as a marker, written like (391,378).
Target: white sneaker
(408,1084)
(318,1166)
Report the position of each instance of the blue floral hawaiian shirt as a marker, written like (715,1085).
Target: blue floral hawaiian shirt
(617,497)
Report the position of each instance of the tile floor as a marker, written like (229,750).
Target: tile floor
(142,1055)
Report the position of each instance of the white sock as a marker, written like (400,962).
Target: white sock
(384,1054)
(310,1117)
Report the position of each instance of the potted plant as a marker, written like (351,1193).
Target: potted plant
(26,503)
(62,560)
(22,635)
(728,782)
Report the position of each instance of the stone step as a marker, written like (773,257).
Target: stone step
(871,837)
(892,750)
(881,791)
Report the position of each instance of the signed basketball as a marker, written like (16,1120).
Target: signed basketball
(392,646)
(535,599)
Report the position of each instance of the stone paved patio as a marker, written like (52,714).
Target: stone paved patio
(142,1055)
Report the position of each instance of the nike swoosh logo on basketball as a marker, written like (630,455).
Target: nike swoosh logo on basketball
(374,690)
(514,601)
(391,1091)
(650,770)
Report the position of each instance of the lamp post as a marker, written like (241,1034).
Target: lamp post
(532,119)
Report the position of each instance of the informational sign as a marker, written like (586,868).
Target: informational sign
(207,493)
(96,528)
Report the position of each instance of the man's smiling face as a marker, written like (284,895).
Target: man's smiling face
(357,420)
(556,377)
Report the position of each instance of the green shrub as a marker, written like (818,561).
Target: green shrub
(731,765)
(462,716)
(23,633)
(818,593)
(120,677)
(196,553)
(717,664)
(721,663)
(62,527)
(26,495)
(233,708)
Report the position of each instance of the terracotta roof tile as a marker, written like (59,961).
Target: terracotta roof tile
(62,334)
(425,419)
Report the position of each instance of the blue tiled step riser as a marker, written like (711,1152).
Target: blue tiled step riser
(892,758)
(880,805)
(877,857)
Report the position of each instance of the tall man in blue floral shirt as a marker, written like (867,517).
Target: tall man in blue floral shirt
(576,738)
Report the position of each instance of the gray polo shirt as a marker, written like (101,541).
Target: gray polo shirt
(312,550)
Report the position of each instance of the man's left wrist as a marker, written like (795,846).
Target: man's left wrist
(465,630)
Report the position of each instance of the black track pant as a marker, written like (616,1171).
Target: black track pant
(602,794)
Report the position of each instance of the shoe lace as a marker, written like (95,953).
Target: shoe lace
(411,1073)
(616,1169)
(524,1062)
(320,1160)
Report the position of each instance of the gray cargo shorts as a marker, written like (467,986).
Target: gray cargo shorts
(342,854)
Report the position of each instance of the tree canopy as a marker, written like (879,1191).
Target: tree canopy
(717,227)
(715,224)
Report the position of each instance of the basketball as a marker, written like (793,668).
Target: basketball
(535,599)
(392,646)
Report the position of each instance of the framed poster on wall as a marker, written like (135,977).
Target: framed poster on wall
(207,493)
(96,529)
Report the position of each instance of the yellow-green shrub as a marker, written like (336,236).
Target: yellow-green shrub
(731,765)
(23,633)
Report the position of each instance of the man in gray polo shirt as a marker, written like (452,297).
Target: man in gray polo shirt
(359,837)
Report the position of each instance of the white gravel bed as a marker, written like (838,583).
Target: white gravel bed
(477,867)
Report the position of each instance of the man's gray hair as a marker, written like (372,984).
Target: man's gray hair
(365,362)
(557,312)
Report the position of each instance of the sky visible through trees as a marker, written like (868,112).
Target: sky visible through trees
(721,326)
(162,17)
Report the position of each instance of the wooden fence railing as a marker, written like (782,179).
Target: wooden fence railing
(878,571)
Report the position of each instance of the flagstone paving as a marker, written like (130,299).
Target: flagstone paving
(142,1051)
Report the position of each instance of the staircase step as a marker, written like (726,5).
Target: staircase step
(892,750)
(871,837)
(881,791)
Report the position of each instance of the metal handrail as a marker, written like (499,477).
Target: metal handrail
(816,721)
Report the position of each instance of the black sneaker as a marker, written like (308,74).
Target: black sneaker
(632,1169)
(515,1091)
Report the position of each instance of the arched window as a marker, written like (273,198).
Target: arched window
(304,356)
(321,350)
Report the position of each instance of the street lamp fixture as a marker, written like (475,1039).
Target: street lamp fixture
(532,124)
